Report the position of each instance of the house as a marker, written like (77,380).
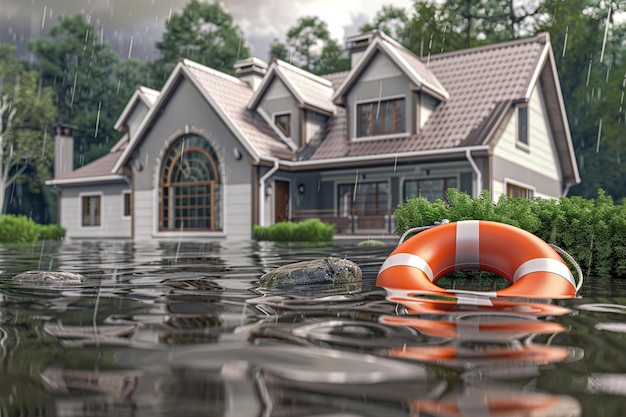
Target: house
(211,155)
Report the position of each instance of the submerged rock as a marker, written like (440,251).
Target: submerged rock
(49,277)
(330,270)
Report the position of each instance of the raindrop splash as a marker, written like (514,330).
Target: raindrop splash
(606,32)
(599,135)
(45,136)
(43,19)
(98,119)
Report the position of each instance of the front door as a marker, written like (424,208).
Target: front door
(281,201)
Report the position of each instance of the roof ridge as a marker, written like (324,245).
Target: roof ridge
(542,37)
(307,74)
(192,64)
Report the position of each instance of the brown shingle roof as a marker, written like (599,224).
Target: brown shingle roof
(232,96)
(478,81)
(95,170)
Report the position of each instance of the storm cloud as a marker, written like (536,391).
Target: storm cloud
(133,26)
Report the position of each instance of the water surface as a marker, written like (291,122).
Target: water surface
(183,328)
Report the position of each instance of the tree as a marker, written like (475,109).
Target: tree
(591,73)
(310,46)
(26,113)
(278,50)
(202,32)
(391,20)
(84,74)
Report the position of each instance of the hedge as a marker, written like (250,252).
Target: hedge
(593,231)
(311,230)
(21,229)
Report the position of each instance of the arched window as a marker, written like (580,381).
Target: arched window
(191,189)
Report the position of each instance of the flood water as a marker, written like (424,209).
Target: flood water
(183,329)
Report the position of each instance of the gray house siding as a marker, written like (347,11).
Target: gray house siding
(187,112)
(278,100)
(382,80)
(113,223)
(136,117)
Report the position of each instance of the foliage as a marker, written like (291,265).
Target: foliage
(593,231)
(391,20)
(22,229)
(311,230)
(310,46)
(51,232)
(18,229)
(202,32)
(83,72)
(26,113)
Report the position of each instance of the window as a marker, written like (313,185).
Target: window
(283,123)
(522,124)
(517,191)
(91,210)
(127,204)
(380,118)
(370,199)
(191,190)
(431,189)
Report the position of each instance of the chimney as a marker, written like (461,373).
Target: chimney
(358,44)
(251,70)
(63,149)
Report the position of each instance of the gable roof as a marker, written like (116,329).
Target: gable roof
(228,97)
(142,94)
(417,71)
(308,89)
(482,85)
(98,170)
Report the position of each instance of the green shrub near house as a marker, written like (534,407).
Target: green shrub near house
(311,230)
(21,229)
(593,231)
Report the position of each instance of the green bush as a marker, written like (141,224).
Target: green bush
(311,230)
(21,229)
(51,232)
(18,229)
(592,231)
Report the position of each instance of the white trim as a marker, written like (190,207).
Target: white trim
(88,180)
(81,195)
(541,61)
(516,183)
(366,158)
(280,132)
(381,99)
(269,120)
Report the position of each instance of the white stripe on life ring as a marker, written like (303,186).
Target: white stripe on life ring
(408,259)
(544,265)
(467,254)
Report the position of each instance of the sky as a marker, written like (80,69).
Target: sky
(132,27)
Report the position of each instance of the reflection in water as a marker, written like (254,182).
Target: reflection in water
(184,329)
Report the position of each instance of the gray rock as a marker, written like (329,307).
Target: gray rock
(49,277)
(330,270)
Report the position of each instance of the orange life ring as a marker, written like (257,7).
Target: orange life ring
(532,267)
(416,303)
(476,329)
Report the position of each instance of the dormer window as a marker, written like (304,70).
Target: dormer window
(380,117)
(283,123)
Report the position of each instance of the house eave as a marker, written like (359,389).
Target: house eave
(392,158)
(88,180)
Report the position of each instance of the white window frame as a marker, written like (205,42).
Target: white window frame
(518,131)
(80,209)
(124,194)
(355,121)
